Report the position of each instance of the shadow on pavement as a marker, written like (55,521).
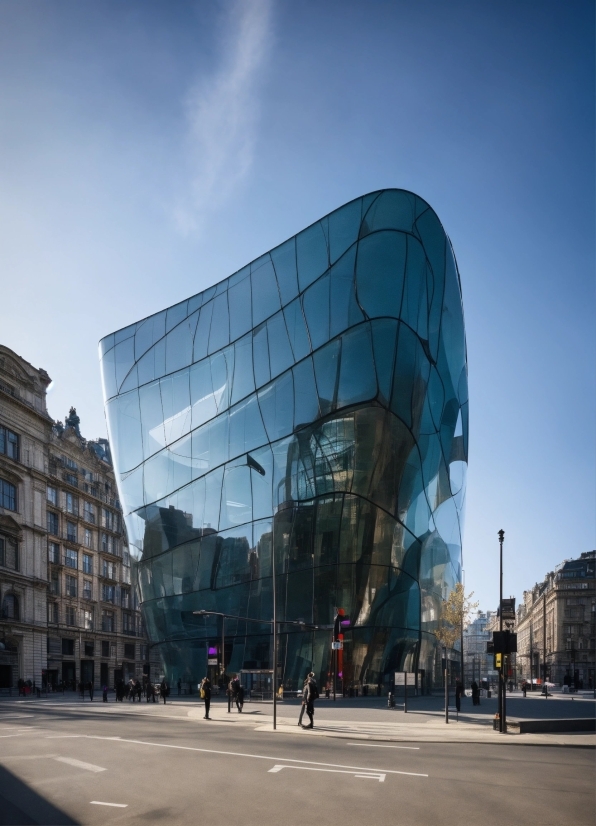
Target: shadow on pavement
(19,804)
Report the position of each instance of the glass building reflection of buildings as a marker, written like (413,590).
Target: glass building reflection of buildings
(314,403)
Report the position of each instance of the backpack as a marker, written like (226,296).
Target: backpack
(314,691)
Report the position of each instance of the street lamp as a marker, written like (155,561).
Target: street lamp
(502,697)
(274,623)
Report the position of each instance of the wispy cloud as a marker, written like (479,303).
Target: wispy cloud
(222,114)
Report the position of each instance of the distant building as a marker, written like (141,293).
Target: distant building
(556,625)
(478,665)
(69,610)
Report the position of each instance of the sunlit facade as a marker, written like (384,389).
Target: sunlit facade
(314,402)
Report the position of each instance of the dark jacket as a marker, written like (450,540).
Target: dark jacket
(309,693)
(206,686)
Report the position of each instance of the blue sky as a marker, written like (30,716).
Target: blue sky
(149,149)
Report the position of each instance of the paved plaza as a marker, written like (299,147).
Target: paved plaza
(64,761)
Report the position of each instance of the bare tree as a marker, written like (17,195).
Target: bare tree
(456,610)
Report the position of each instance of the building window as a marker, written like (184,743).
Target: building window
(54,552)
(8,495)
(71,615)
(87,564)
(71,586)
(71,558)
(52,523)
(108,593)
(107,621)
(89,543)
(105,648)
(143,652)
(89,513)
(9,553)
(72,504)
(125,598)
(127,624)
(9,443)
(67,648)
(71,532)
(87,589)
(10,607)
(52,496)
(88,622)
(108,569)
(55,583)
(53,612)
(107,519)
(129,650)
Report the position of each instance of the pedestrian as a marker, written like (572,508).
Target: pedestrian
(475,694)
(205,694)
(303,704)
(164,690)
(179,684)
(104,694)
(459,691)
(310,694)
(90,690)
(236,689)
(525,688)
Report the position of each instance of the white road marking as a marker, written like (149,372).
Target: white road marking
(376,776)
(4,716)
(383,746)
(63,736)
(252,756)
(2,736)
(102,803)
(79,764)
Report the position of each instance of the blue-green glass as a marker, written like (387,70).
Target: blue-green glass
(315,405)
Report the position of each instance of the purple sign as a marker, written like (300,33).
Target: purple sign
(212,652)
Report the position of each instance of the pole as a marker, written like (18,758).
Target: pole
(274,625)
(544,643)
(223,661)
(446,687)
(501,692)
(405,692)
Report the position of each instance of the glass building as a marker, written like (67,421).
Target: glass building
(313,405)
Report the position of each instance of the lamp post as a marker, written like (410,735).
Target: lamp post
(204,613)
(502,697)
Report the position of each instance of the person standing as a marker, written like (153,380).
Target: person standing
(164,690)
(303,705)
(105,694)
(90,690)
(475,694)
(524,688)
(205,693)
(310,695)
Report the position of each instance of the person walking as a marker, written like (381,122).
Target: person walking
(237,693)
(90,690)
(524,688)
(303,705)
(205,694)
(164,690)
(475,694)
(459,691)
(310,694)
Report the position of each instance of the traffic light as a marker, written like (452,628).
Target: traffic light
(498,661)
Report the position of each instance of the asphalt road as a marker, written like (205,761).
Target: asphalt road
(64,763)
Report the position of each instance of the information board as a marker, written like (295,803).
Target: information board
(400,677)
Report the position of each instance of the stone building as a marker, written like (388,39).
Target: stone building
(69,608)
(556,625)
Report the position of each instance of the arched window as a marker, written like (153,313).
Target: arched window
(10,607)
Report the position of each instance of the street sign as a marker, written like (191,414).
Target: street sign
(400,678)
(337,646)
(212,661)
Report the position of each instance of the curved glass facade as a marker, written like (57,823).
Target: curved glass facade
(315,404)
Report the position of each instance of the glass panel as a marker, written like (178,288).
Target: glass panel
(326,362)
(277,406)
(148,332)
(131,381)
(124,420)
(152,419)
(239,276)
(124,333)
(410,378)
(108,375)
(131,489)
(106,344)
(246,427)
(123,355)
(380,273)
(284,261)
(265,295)
(414,309)
(306,400)
(175,314)
(434,242)
(297,331)
(213,499)
(239,299)
(222,371)
(316,309)
(327,530)
(237,498)
(202,333)
(220,324)
(204,405)
(312,255)
(280,352)
(344,225)
(357,378)
(261,356)
(393,209)
(195,303)
(262,502)
(384,339)
(343,305)
(175,399)
(244,382)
